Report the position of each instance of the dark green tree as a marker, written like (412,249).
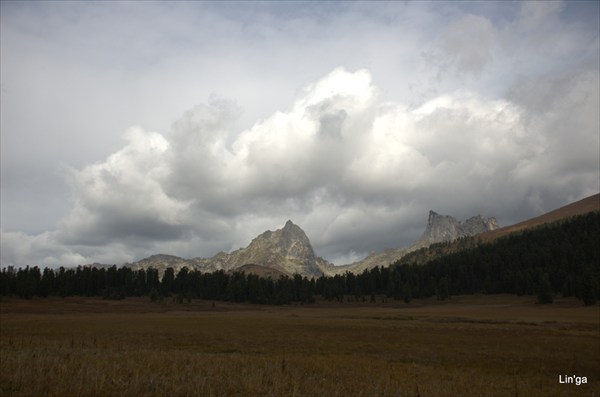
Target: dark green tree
(168,279)
(407,292)
(544,290)
(588,285)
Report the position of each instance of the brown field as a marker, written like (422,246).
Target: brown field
(467,346)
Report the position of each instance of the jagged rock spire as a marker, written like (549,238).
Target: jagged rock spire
(441,228)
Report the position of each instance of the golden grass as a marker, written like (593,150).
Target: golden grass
(484,346)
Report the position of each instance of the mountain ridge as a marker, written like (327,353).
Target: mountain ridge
(288,250)
(579,207)
(440,228)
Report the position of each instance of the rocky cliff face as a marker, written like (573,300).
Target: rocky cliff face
(287,250)
(443,228)
(440,228)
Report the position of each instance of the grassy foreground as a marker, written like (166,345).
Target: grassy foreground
(468,346)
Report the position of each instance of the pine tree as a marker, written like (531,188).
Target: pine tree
(154,295)
(544,294)
(167,281)
(587,288)
(407,293)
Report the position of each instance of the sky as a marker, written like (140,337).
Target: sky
(188,128)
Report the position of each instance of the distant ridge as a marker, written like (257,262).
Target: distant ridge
(285,251)
(288,251)
(444,228)
(565,213)
(440,228)
(583,206)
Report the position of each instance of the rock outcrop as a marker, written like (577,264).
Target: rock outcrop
(287,250)
(444,228)
(440,228)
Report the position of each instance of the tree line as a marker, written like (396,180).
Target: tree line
(559,258)
(121,282)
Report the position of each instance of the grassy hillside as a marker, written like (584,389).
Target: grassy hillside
(584,206)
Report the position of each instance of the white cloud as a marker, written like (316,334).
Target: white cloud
(469,44)
(536,13)
(340,161)
(123,196)
(563,112)
(465,109)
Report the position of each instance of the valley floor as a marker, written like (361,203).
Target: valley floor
(467,346)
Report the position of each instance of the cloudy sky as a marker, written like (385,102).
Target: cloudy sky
(134,128)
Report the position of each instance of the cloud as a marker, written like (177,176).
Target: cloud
(36,250)
(563,110)
(534,14)
(469,108)
(123,196)
(469,44)
(340,162)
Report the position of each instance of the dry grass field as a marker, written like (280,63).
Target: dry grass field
(467,346)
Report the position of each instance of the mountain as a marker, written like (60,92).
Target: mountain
(440,228)
(287,250)
(262,271)
(444,228)
(284,251)
(580,207)
(161,262)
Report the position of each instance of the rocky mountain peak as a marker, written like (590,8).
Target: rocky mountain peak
(436,219)
(287,249)
(442,228)
(479,224)
(432,216)
(290,242)
(291,230)
(289,225)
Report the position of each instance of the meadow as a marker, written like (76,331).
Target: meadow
(497,345)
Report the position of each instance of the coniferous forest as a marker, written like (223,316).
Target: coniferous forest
(562,258)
